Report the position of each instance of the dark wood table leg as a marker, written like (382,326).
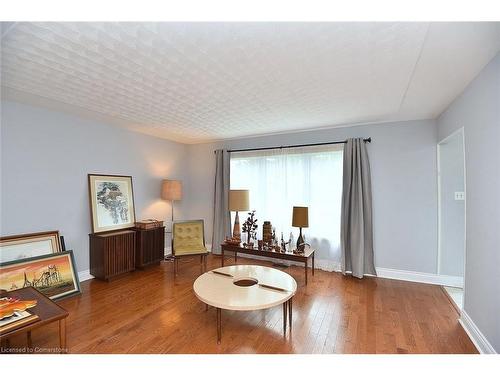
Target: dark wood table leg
(222,257)
(313,265)
(235,256)
(29,339)
(284,317)
(290,312)
(62,336)
(305,269)
(219,324)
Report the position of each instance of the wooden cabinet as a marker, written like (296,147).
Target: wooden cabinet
(112,253)
(150,246)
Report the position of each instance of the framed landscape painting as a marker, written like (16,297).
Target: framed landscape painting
(54,275)
(29,245)
(111,202)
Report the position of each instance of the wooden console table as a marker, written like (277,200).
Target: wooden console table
(47,310)
(150,246)
(303,258)
(112,253)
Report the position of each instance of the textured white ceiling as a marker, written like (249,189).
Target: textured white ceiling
(197,82)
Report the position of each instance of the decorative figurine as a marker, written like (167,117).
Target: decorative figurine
(260,245)
(250,226)
(283,244)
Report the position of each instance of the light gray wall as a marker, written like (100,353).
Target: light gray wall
(45,158)
(452,247)
(404,178)
(478,111)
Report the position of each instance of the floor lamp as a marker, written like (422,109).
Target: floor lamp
(171,190)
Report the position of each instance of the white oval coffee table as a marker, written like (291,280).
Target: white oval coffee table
(246,288)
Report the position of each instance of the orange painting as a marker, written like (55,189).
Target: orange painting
(53,274)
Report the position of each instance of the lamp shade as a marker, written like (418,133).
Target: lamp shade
(300,217)
(171,190)
(238,200)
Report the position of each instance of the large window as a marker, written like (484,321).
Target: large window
(282,178)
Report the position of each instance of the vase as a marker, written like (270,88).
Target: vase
(267,232)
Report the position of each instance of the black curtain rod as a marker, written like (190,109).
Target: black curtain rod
(369,139)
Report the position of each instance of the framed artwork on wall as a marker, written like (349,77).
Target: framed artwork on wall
(29,245)
(111,202)
(53,275)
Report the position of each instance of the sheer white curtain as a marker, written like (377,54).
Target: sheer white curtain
(279,179)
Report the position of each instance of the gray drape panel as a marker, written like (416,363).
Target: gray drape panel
(356,227)
(222,217)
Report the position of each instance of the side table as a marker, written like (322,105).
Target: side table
(48,312)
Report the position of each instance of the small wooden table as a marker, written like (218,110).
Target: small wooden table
(48,312)
(246,288)
(303,258)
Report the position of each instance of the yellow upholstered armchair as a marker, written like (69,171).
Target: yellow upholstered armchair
(188,238)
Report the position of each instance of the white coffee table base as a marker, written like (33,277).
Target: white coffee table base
(270,287)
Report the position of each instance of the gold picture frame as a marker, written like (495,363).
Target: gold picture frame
(111,202)
(22,246)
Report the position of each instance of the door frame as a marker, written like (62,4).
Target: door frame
(461,131)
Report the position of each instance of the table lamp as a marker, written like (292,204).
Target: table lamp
(171,190)
(300,219)
(238,201)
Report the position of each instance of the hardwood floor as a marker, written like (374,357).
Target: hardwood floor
(148,312)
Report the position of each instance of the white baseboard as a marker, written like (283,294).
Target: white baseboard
(84,275)
(386,273)
(476,336)
(420,277)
